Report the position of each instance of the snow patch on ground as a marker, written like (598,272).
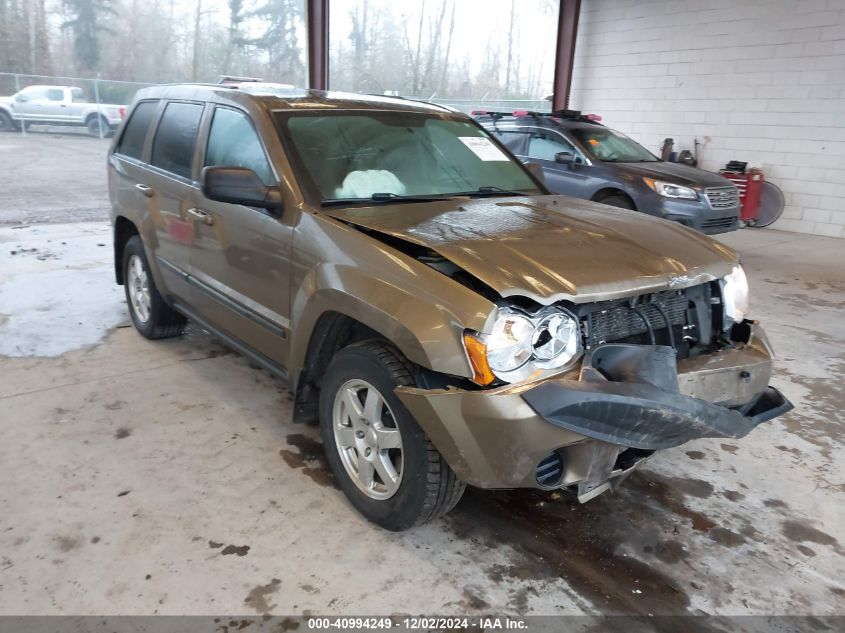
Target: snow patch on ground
(57,289)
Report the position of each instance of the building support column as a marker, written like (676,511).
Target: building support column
(567,33)
(317,24)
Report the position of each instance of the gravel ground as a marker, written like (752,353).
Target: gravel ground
(53,177)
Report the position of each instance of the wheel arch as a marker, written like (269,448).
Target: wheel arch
(123,229)
(93,114)
(329,318)
(607,192)
(332,332)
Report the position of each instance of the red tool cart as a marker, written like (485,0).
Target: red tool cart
(750,185)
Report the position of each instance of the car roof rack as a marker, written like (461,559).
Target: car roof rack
(234,79)
(567,115)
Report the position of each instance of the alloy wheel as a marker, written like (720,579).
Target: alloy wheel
(368,439)
(138,284)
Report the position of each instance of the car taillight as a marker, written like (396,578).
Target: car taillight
(122,112)
(478,112)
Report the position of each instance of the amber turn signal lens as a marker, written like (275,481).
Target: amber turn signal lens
(477,353)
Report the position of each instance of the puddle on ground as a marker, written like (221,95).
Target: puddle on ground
(556,537)
(310,458)
(58,292)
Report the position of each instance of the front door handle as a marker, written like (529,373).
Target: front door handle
(145,189)
(203,216)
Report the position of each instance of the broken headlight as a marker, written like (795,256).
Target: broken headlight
(521,345)
(735,296)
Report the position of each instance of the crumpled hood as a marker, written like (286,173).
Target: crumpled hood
(676,173)
(551,248)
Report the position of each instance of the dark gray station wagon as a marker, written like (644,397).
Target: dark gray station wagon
(584,159)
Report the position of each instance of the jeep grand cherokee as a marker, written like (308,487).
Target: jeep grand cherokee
(443,319)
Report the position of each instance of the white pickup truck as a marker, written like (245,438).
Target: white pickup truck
(58,105)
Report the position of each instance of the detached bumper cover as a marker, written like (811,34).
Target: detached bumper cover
(646,417)
(628,395)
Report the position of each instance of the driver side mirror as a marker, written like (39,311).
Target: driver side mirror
(239,185)
(20,98)
(565,158)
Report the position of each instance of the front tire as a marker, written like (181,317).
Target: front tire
(384,462)
(620,201)
(151,316)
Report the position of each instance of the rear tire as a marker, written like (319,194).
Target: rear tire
(618,200)
(151,316)
(6,123)
(94,123)
(427,487)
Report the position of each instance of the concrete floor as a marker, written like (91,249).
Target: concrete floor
(167,477)
(144,477)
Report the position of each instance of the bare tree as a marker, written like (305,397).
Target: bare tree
(235,41)
(85,22)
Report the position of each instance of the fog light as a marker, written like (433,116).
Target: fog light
(550,471)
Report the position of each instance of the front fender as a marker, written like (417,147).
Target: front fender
(424,328)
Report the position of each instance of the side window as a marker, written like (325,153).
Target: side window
(33,93)
(233,142)
(132,141)
(77,96)
(175,139)
(56,94)
(514,141)
(544,146)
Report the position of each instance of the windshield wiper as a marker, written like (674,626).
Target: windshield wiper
(489,190)
(380,198)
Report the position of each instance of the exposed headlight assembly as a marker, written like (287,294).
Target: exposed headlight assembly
(735,296)
(520,344)
(671,190)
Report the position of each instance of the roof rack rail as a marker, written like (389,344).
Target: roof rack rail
(571,115)
(232,79)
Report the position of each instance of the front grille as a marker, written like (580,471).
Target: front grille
(619,321)
(720,223)
(722,197)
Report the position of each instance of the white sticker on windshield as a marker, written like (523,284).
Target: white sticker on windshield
(483,148)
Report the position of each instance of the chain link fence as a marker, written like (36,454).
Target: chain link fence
(96,106)
(39,103)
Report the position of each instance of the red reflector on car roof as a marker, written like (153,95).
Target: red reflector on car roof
(520,112)
(478,112)
(593,117)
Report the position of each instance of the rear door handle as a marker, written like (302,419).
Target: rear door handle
(203,216)
(146,190)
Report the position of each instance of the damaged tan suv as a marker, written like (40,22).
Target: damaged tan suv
(443,319)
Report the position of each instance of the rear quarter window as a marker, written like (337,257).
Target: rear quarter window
(132,142)
(175,139)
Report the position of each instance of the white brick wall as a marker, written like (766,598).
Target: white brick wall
(761,81)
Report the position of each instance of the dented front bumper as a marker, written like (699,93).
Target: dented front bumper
(602,419)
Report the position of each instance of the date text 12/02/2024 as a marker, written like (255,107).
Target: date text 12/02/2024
(421,623)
